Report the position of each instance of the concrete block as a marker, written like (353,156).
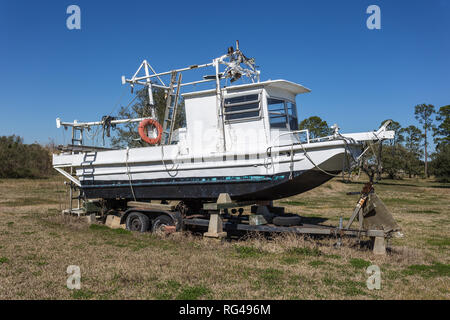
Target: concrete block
(256,220)
(215,228)
(264,211)
(91,218)
(224,198)
(379,246)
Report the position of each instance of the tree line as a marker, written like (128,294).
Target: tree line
(19,160)
(408,153)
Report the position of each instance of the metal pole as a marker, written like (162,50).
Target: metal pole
(97,123)
(149,90)
(175,107)
(169,72)
(219,108)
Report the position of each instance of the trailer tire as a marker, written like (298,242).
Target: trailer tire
(137,221)
(287,221)
(160,222)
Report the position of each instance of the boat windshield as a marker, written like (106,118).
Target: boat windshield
(282,114)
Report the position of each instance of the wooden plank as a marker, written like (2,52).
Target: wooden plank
(151,206)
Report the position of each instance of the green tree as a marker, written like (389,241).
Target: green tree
(424,113)
(441,132)
(413,138)
(441,162)
(391,153)
(316,127)
(393,159)
(127,134)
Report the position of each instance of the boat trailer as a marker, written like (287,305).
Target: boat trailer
(374,221)
(224,218)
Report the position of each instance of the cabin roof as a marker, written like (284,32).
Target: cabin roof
(292,87)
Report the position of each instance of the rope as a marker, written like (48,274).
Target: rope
(165,166)
(315,165)
(117,103)
(106,126)
(291,166)
(348,161)
(269,155)
(268,165)
(129,175)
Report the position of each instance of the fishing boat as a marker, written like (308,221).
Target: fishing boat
(240,137)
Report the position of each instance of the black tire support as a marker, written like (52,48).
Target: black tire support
(287,220)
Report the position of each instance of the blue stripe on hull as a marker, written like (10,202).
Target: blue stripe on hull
(239,188)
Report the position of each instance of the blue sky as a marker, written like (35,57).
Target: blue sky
(358,76)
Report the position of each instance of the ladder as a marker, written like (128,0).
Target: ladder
(170,113)
(87,166)
(74,192)
(77,140)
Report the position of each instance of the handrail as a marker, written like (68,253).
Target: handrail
(294,132)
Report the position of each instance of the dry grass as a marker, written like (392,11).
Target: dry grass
(37,244)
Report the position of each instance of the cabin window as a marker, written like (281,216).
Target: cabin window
(282,114)
(242,108)
(292,114)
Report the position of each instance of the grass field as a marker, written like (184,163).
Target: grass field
(37,245)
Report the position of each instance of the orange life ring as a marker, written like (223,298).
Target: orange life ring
(143,132)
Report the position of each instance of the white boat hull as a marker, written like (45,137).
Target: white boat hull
(147,173)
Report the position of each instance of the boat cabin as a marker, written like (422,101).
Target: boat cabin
(254,116)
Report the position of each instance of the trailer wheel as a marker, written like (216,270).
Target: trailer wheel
(137,221)
(287,221)
(160,222)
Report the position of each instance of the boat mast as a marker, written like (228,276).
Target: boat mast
(150,91)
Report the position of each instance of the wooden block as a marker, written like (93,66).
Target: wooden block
(113,222)
(148,205)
